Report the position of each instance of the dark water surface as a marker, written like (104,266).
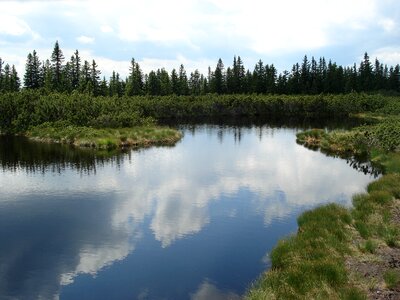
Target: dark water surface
(194,221)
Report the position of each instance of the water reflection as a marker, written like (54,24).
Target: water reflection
(18,153)
(211,207)
(208,291)
(359,162)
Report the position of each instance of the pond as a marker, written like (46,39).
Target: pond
(193,221)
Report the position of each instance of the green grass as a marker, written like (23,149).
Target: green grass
(389,183)
(309,265)
(369,246)
(381,141)
(104,138)
(392,278)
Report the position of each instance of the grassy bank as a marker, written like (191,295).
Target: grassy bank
(104,138)
(341,253)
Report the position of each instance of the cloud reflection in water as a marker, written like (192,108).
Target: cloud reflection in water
(91,221)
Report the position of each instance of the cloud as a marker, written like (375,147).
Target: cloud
(14,26)
(387,24)
(208,291)
(85,39)
(166,33)
(387,55)
(106,29)
(279,177)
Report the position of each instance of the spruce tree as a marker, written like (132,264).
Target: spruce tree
(85,77)
(134,84)
(32,71)
(195,83)
(259,78)
(15,81)
(175,84)
(57,59)
(219,77)
(95,78)
(365,74)
(239,74)
(75,63)
(183,81)
(28,80)
(165,83)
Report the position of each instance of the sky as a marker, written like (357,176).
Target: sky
(196,33)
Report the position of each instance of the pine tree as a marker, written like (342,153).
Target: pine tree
(153,84)
(75,70)
(57,58)
(270,80)
(165,83)
(28,77)
(183,81)
(135,80)
(104,88)
(95,78)
(294,82)
(314,77)
(379,78)
(259,78)
(394,78)
(239,74)
(7,78)
(230,81)
(85,77)
(204,86)
(305,76)
(282,83)
(67,77)
(219,77)
(32,71)
(365,74)
(195,83)
(47,75)
(15,81)
(175,86)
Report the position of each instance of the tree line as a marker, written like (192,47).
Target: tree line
(311,76)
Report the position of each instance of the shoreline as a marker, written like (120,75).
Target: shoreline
(344,253)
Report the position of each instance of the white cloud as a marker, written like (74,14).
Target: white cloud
(387,24)
(387,55)
(14,26)
(148,64)
(196,32)
(208,291)
(106,29)
(85,39)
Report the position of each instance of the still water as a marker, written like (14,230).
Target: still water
(193,221)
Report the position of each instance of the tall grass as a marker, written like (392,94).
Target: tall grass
(310,264)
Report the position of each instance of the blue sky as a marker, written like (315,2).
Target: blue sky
(196,33)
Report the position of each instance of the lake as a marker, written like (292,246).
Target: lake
(193,221)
